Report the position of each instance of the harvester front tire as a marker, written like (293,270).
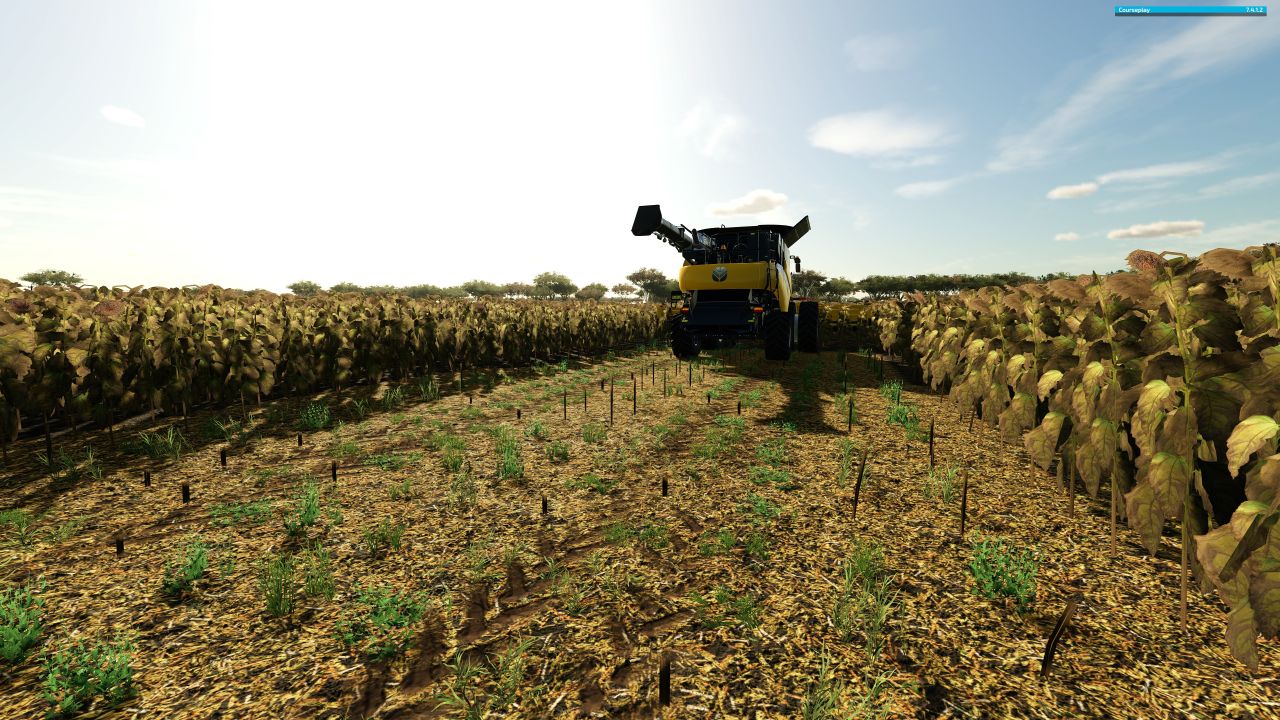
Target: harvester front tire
(777,335)
(808,327)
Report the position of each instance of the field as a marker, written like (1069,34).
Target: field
(506,552)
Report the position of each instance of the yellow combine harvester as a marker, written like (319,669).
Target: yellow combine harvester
(735,285)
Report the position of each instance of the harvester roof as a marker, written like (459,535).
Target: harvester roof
(789,234)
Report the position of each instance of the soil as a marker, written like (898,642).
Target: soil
(574,612)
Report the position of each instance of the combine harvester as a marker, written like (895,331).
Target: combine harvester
(735,285)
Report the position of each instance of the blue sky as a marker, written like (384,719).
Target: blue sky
(252,145)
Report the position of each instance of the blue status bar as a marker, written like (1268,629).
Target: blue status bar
(1192,10)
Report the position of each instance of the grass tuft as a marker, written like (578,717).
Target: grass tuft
(1001,570)
(77,673)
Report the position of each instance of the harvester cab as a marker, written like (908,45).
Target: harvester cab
(736,284)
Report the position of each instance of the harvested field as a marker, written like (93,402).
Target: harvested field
(750,579)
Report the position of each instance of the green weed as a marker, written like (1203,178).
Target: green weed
(428,389)
(277,586)
(78,672)
(941,484)
(181,575)
(847,450)
(383,537)
(21,620)
(558,452)
(392,398)
(1001,570)
(315,416)
(385,628)
(462,490)
(536,430)
(772,476)
(19,524)
(231,513)
(317,573)
(773,452)
(510,465)
(594,432)
(865,598)
(308,510)
(167,445)
(63,531)
(591,481)
(718,543)
(653,536)
(345,450)
(392,462)
(402,490)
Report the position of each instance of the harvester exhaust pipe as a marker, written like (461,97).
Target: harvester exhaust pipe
(649,221)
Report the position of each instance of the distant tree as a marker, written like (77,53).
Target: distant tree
(1055,276)
(420,291)
(541,292)
(517,289)
(454,291)
(594,291)
(654,284)
(558,285)
(482,288)
(304,288)
(345,287)
(882,286)
(887,286)
(624,290)
(837,288)
(806,282)
(51,277)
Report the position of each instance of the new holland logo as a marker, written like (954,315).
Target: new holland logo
(720,273)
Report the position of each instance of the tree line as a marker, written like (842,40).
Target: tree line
(547,285)
(645,284)
(887,286)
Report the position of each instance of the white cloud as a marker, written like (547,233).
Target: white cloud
(715,130)
(907,163)
(1067,237)
(1150,177)
(878,133)
(870,53)
(1067,192)
(122,116)
(1141,202)
(5,223)
(1226,188)
(1203,46)
(1243,235)
(1164,171)
(1174,228)
(753,203)
(1237,185)
(926,189)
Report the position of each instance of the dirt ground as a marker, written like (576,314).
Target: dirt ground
(730,584)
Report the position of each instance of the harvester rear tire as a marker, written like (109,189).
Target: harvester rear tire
(777,335)
(808,340)
(685,346)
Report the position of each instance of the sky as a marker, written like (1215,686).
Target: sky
(256,144)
